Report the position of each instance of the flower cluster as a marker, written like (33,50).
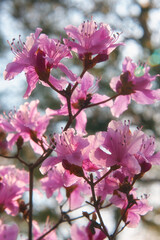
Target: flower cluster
(13,184)
(26,124)
(134,83)
(99,170)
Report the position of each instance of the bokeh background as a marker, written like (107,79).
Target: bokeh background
(138,21)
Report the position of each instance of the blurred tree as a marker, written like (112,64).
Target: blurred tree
(139,22)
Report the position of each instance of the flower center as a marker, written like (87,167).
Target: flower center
(126,86)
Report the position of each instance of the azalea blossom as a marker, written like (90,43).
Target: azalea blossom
(89,39)
(86,233)
(106,186)
(134,83)
(36,58)
(139,209)
(38,233)
(25,60)
(13,183)
(26,123)
(133,207)
(54,52)
(75,187)
(70,150)
(83,95)
(118,146)
(8,232)
(147,152)
(24,54)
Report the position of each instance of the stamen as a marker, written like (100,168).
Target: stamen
(19,48)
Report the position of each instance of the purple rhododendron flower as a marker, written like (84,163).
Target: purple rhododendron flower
(24,54)
(89,40)
(12,186)
(146,155)
(8,232)
(70,149)
(134,83)
(132,152)
(38,233)
(85,233)
(75,187)
(106,186)
(118,146)
(27,123)
(36,58)
(83,95)
(139,207)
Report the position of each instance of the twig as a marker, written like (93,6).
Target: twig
(104,101)
(104,229)
(31,169)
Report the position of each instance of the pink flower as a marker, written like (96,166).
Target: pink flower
(118,146)
(131,211)
(139,209)
(85,233)
(134,83)
(36,58)
(12,186)
(75,187)
(8,232)
(146,156)
(70,149)
(92,40)
(27,123)
(82,96)
(106,186)
(24,55)
(37,231)
(54,53)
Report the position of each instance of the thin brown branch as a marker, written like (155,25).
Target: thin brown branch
(16,157)
(104,101)
(51,229)
(96,206)
(113,168)
(30,201)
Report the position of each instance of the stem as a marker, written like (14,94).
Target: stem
(55,89)
(17,157)
(31,169)
(83,72)
(76,84)
(71,118)
(62,220)
(104,229)
(104,101)
(121,218)
(68,124)
(51,229)
(43,157)
(105,175)
(113,168)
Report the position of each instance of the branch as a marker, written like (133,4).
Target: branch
(50,230)
(96,203)
(30,201)
(16,157)
(104,101)
(113,168)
